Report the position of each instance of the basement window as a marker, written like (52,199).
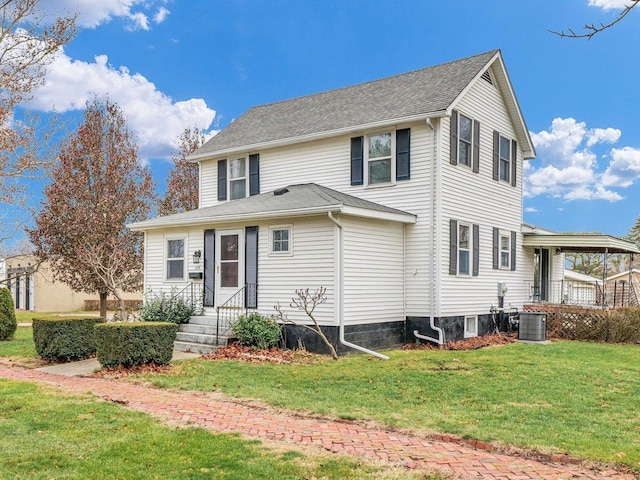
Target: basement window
(470,326)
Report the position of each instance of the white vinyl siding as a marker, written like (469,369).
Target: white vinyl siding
(495,204)
(373,271)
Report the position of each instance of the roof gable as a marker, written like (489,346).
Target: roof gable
(411,95)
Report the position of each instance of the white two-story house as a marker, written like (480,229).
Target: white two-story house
(401,196)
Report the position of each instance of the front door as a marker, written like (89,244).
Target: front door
(229,267)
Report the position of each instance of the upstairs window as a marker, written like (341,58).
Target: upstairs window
(505,159)
(379,164)
(175,259)
(381,158)
(505,167)
(465,141)
(238,178)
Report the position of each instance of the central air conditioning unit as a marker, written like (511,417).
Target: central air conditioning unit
(532,327)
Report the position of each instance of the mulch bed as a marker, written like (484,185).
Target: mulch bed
(466,344)
(272,355)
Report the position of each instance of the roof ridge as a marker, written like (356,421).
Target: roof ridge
(381,79)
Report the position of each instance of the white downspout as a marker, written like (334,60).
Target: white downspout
(340,296)
(441,339)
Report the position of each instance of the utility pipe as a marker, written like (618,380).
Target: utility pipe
(441,339)
(340,296)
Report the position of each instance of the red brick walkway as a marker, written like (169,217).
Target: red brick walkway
(221,415)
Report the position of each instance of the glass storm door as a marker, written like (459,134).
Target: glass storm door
(229,264)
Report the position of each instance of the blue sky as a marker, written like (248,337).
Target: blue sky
(171,64)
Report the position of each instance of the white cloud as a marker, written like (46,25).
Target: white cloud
(568,165)
(624,167)
(531,210)
(609,4)
(92,13)
(156,119)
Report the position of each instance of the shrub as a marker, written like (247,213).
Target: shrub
(621,325)
(8,322)
(135,343)
(255,330)
(64,339)
(166,307)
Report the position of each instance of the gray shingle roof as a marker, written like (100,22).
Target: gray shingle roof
(414,93)
(294,200)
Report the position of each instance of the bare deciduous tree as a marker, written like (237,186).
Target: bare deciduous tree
(29,41)
(307,301)
(97,188)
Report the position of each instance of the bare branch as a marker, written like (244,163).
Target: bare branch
(593,29)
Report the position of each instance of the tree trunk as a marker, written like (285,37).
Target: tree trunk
(103,305)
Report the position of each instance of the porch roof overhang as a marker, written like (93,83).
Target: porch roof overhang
(587,243)
(291,201)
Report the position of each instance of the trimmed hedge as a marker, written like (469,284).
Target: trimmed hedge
(135,343)
(64,339)
(8,322)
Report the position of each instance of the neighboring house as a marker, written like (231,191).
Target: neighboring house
(33,287)
(580,289)
(401,196)
(623,288)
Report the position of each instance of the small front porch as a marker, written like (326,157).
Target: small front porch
(553,284)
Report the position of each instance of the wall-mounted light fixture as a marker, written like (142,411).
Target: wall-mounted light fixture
(196,256)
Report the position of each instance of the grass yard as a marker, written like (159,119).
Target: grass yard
(46,434)
(23,316)
(570,397)
(21,347)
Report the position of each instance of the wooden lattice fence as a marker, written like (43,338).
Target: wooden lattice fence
(621,325)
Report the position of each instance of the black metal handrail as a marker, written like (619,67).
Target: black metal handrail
(228,313)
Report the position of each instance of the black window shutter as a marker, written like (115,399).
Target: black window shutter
(453,154)
(496,248)
(209,267)
(357,160)
(476,250)
(476,146)
(513,250)
(251,267)
(453,247)
(254,174)
(403,147)
(222,179)
(496,155)
(514,162)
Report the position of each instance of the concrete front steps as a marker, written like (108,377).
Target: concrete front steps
(199,336)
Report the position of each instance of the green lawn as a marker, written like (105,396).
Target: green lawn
(46,434)
(579,398)
(21,347)
(27,316)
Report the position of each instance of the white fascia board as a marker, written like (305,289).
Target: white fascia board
(231,218)
(388,216)
(314,136)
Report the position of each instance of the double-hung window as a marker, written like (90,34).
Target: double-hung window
(379,158)
(465,140)
(505,250)
(464,249)
(505,159)
(238,178)
(175,259)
